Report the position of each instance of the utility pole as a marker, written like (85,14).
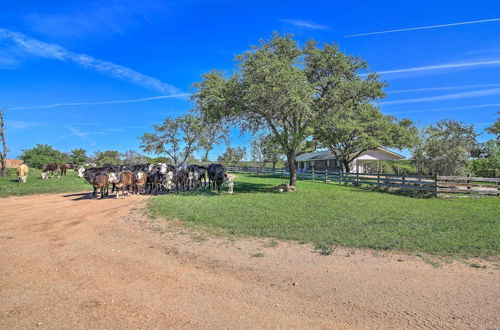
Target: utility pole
(3,154)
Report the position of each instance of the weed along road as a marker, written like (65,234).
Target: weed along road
(69,261)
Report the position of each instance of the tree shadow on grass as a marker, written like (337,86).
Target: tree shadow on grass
(391,191)
(239,188)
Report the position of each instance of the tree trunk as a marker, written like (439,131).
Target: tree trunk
(346,166)
(205,158)
(3,155)
(292,168)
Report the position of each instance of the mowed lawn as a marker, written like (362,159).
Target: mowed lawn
(333,214)
(35,185)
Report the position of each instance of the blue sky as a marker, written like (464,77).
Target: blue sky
(93,53)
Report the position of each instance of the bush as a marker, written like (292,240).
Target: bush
(485,167)
(42,154)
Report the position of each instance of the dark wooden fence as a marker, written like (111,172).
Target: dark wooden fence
(435,184)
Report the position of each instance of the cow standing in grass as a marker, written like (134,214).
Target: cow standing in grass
(217,175)
(63,168)
(22,173)
(49,169)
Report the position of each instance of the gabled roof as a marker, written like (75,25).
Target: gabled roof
(327,154)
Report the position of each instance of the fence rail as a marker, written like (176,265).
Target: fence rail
(435,184)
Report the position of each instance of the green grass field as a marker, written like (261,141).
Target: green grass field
(332,214)
(35,185)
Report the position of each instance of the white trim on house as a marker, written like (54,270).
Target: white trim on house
(326,159)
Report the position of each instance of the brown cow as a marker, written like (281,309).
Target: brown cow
(140,181)
(49,169)
(122,180)
(101,182)
(63,168)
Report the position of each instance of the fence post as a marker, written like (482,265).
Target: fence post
(436,182)
(468,182)
(357,178)
(313,173)
(326,174)
(378,179)
(403,182)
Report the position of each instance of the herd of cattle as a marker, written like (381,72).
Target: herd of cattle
(146,178)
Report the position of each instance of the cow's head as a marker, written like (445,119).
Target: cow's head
(44,175)
(140,175)
(22,179)
(81,172)
(163,168)
(112,177)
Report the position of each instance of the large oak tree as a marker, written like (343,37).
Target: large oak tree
(296,93)
(268,91)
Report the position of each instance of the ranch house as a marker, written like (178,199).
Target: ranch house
(368,161)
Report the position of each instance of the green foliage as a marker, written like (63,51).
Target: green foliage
(265,150)
(269,91)
(154,160)
(213,133)
(487,163)
(348,121)
(41,155)
(444,148)
(78,157)
(495,128)
(485,167)
(133,157)
(402,166)
(107,157)
(176,137)
(295,92)
(232,156)
(333,214)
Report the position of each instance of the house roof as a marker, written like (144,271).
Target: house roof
(327,154)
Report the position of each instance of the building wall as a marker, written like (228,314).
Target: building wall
(14,163)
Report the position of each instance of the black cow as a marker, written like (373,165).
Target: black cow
(136,168)
(154,181)
(181,178)
(217,175)
(198,175)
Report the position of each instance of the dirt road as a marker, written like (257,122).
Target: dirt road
(70,262)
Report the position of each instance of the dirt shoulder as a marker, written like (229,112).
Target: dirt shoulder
(68,261)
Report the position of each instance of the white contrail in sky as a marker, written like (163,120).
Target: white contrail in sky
(440,88)
(100,103)
(53,51)
(447,109)
(304,24)
(443,66)
(423,27)
(455,96)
